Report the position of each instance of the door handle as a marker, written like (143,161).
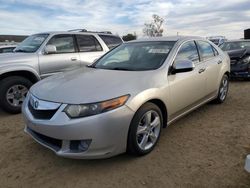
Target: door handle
(219,62)
(73,58)
(201,70)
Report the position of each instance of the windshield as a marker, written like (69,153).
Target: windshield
(137,56)
(227,46)
(32,43)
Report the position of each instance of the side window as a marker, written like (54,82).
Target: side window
(206,50)
(111,41)
(63,43)
(188,51)
(88,43)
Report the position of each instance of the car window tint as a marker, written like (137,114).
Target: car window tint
(188,51)
(111,41)
(88,43)
(63,43)
(206,50)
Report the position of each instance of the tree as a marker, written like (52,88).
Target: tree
(154,29)
(129,37)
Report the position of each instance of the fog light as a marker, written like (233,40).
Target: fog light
(84,145)
(78,146)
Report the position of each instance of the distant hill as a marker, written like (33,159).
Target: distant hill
(10,38)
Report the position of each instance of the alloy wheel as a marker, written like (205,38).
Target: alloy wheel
(16,94)
(148,130)
(223,89)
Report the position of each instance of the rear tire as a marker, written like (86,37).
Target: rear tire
(13,91)
(223,90)
(145,130)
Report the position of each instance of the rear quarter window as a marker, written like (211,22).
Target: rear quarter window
(111,41)
(88,43)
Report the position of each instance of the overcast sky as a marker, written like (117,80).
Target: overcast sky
(188,17)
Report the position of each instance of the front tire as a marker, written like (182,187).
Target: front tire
(145,130)
(223,90)
(13,91)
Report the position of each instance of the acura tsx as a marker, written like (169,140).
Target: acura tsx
(122,101)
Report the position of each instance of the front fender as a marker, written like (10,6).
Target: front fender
(141,98)
(16,68)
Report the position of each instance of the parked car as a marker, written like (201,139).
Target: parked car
(45,54)
(218,40)
(121,102)
(239,53)
(7,48)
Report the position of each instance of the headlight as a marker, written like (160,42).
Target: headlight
(84,110)
(246,59)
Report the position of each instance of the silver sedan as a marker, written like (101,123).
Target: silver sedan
(122,101)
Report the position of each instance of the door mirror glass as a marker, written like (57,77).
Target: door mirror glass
(50,49)
(182,66)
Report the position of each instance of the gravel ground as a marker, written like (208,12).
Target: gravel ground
(207,148)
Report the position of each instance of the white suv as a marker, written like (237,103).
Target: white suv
(44,54)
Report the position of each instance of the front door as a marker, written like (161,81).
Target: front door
(64,59)
(187,88)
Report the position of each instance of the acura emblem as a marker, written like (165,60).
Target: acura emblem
(36,104)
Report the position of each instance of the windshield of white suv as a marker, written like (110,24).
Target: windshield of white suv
(227,46)
(136,56)
(31,44)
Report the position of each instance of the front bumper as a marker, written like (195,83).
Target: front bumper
(106,133)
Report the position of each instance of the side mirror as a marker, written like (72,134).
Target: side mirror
(50,49)
(182,66)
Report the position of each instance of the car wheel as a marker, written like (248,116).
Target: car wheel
(145,130)
(223,90)
(13,91)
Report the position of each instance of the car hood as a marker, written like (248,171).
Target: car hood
(237,54)
(88,85)
(11,58)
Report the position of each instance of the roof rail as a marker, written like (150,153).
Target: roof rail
(106,32)
(79,30)
(85,30)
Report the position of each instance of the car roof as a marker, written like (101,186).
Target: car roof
(169,38)
(77,32)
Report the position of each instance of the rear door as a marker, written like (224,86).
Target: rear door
(187,88)
(211,58)
(89,48)
(65,58)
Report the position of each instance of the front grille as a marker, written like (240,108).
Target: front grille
(53,143)
(41,114)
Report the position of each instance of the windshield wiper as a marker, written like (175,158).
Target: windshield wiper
(20,50)
(121,68)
